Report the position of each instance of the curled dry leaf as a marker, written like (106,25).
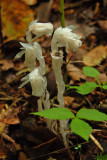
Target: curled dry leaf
(16,16)
(95,56)
(75,73)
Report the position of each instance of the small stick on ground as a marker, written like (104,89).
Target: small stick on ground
(96,142)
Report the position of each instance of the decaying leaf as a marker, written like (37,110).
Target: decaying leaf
(9,116)
(68,100)
(102,77)
(75,73)
(16,16)
(30,2)
(6,64)
(95,56)
(103,24)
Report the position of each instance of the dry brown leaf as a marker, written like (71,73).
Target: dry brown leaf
(68,100)
(95,56)
(102,77)
(30,2)
(6,64)
(9,116)
(103,24)
(75,73)
(16,16)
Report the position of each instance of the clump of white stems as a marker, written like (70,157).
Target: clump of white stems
(63,37)
(33,52)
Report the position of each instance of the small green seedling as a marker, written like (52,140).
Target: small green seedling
(88,87)
(77,125)
(102,157)
(78,147)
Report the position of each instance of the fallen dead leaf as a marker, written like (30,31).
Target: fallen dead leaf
(68,100)
(102,77)
(9,116)
(6,64)
(30,2)
(103,24)
(75,73)
(16,16)
(95,56)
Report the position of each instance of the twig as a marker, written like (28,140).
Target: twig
(89,102)
(68,147)
(5,136)
(96,142)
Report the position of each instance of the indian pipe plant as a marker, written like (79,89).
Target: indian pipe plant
(62,37)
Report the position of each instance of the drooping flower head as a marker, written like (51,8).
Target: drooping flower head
(38,82)
(64,37)
(39,29)
(30,55)
(32,52)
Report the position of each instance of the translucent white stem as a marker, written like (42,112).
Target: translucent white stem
(40,108)
(56,64)
(46,102)
(57,61)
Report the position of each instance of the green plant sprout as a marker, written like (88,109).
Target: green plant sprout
(88,87)
(102,157)
(79,146)
(77,125)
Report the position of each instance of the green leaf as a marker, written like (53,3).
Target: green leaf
(104,86)
(91,114)
(56,113)
(91,72)
(87,87)
(102,157)
(81,128)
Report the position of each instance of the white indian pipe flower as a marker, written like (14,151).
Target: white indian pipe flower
(38,29)
(30,55)
(37,82)
(64,37)
(32,52)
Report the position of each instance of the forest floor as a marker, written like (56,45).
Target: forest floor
(26,137)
